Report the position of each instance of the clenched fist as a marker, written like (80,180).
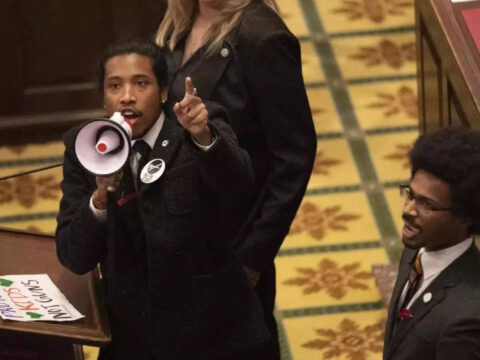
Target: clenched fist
(104,185)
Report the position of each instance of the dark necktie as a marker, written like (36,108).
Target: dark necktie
(413,281)
(143,149)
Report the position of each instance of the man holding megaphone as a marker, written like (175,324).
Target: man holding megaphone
(174,287)
(191,113)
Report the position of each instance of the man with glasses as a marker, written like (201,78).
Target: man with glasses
(435,308)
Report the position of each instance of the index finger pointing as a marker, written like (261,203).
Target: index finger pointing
(189,88)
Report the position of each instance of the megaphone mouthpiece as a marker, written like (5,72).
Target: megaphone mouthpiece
(123,122)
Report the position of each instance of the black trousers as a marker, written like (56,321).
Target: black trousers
(266,291)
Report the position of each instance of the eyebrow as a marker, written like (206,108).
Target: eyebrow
(135,76)
(416,195)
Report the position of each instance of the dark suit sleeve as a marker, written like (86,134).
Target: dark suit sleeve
(460,341)
(80,237)
(224,167)
(274,79)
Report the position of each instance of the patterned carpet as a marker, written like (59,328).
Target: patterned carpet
(359,68)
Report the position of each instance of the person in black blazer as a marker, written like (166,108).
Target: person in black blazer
(434,313)
(241,55)
(174,287)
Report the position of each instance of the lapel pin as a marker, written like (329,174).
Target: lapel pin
(152,171)
(427,297)
(224,52)
(164,143)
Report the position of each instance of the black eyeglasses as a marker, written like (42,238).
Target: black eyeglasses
(423,205)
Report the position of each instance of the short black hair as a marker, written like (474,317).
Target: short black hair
(138,46)
(453,156)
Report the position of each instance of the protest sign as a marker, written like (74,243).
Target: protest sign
(33,298)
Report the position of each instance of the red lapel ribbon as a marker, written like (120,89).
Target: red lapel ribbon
(405,314)
(127,198)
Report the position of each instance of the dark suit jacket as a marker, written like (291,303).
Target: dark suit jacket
(260,83)
(446,327)
(171,278)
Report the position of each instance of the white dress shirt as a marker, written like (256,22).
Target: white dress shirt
(433,263)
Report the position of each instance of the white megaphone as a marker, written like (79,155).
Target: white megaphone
(103,145)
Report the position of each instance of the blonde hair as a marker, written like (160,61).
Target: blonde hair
(180,15)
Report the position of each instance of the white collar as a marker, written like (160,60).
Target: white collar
(151,136)
(434,262)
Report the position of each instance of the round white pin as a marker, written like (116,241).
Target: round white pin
(224,52)
(427,297)
(152,171)
(164,143)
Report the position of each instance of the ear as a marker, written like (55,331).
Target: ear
(163,95)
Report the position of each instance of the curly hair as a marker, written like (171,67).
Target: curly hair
(453,156)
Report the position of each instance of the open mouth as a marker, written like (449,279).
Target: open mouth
(409,230)
(130,114)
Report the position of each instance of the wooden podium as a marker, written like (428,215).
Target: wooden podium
(29,253)
(448,66)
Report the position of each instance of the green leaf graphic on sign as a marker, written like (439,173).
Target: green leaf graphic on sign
(34,315)
(5,282)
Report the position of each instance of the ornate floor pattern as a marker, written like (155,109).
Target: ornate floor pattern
(359,69)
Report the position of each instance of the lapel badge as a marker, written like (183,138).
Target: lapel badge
(164,143)
(224,52)
(152,171)
(427,297)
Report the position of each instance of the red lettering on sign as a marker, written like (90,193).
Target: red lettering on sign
(26,305)
(15,295)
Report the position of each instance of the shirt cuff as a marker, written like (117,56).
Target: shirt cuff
(100,215)
(203,147)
